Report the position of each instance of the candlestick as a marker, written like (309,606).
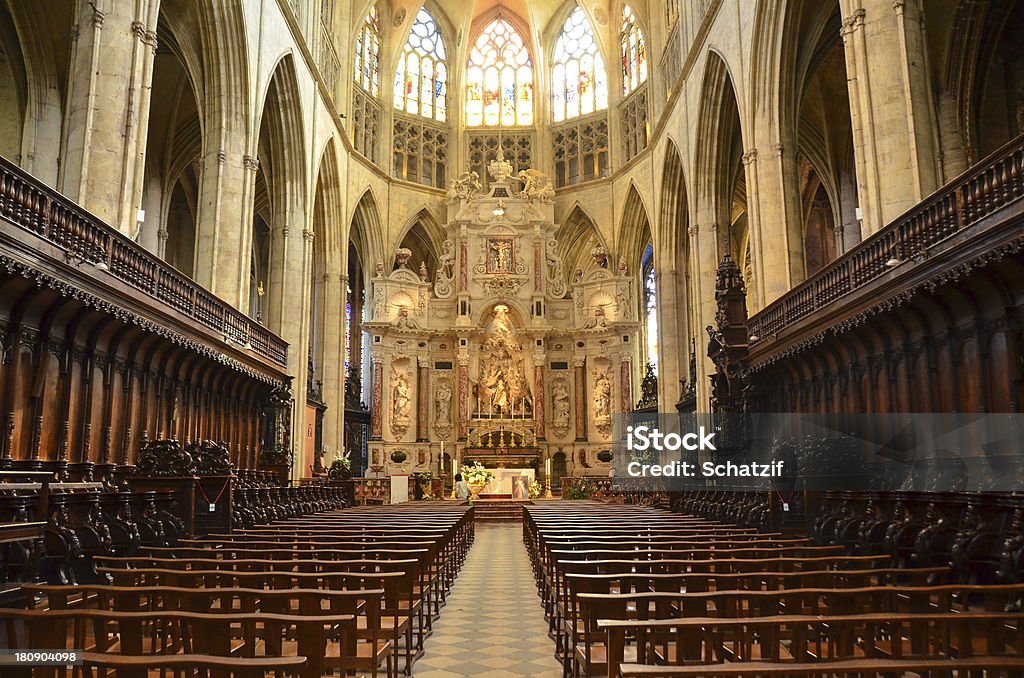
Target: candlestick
(547,478)
(454,462)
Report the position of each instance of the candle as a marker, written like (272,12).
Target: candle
(547,467)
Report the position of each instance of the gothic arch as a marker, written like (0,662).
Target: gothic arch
(424,236)
(577,236)
(280,153)
(634,230)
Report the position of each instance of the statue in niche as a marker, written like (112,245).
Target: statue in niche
(443,402)
(503,387)
(560,405)
(401,402)
(499,255)
(602,396)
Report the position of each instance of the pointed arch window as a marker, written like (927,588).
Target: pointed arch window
(579,79)
(367,64)
(634,52)
(650,308)
(499,78)
(421,81)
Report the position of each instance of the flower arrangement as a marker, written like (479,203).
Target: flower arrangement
(342,460)
(578,490)
(535,489)
(477,474)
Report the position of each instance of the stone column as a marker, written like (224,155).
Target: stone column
(110,80)
(377,404)
(775,220)
(463,411)
(580,396)
(703,255)
(423,399)
(894,122)
(333,358)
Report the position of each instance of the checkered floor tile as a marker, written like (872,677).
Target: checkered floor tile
(493,624)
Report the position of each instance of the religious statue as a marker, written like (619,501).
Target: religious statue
(443,403)
(444,278)
(379,269)
(536,185)
(600,255)
(555,278)
(560,405)
(464,188)
(423,271)
(499,255)
(602,396)
(503,387)
(401,402)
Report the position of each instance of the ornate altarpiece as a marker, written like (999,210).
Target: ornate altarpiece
(500,355)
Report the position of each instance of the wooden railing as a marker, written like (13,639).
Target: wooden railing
(27,203)
(989,186)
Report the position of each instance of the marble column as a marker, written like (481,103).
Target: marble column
(377,404)
(423,399)
(580,396)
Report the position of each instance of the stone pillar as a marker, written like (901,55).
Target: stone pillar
(333,358)
(110,79)
(580,396)
(703,255)
(775,220)
(894,122)
(538,396)
(423,399)
(377,403)
(463,411)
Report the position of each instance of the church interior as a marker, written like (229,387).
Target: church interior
(321,322)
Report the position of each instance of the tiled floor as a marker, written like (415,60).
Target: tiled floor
(493,624)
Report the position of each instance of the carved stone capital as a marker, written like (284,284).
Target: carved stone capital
(251,163)
(750,156)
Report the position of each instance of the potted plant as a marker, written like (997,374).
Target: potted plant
(341,466)
(477,477)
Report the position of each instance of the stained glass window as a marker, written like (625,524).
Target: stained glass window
(367,65)
(634,52)
(651,307)
(499,78)
(579,79)
(421,81)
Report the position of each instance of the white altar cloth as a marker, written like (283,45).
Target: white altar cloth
(502,483)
